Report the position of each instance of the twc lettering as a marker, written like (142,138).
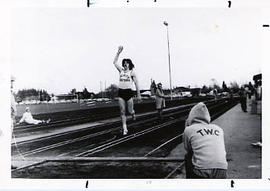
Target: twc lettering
(208,132)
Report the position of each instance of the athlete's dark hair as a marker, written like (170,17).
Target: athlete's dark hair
(131,65)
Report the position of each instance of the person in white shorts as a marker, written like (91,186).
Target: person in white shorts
(126,78)
(28,118)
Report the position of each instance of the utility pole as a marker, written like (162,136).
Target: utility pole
(169,57)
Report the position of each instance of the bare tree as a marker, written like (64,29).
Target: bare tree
(111,91)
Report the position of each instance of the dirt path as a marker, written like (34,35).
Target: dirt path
(240,130)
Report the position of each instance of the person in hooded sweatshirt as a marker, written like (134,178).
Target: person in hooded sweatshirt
(204,145)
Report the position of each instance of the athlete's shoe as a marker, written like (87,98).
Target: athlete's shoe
(48,121)
(125,132)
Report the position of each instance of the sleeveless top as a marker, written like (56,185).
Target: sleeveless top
(125,80)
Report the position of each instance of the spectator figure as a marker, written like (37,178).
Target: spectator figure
(13,103)
(243,99)
(204,145)
(257,103)
(259,96)
(253,99)
(28,118)
(251,90)
(215,94)
(160,101)
(259,90)
(153,88)
(126,78)
(230,95)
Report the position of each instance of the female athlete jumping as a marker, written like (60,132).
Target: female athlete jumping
(125,93)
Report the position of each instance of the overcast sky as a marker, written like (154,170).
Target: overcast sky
(58,49)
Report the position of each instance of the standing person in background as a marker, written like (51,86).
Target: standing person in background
(215,94)
(253,98)
(259,90)
(13,104)
(204,145)
(243,99)
(153,88)
(13,109)
(160,101)
(251,90)
(126,78)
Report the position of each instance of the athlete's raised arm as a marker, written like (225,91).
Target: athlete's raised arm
(120,49)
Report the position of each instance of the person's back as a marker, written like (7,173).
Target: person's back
(204,143)
(207,143)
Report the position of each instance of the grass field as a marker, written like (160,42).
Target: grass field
(58,107)
(93,110)
(44,108)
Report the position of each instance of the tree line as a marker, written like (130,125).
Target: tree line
(41,95)
(109,92)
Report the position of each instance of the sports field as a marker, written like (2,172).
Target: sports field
(43,108)
(58,107)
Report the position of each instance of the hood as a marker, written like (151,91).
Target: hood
(198,114)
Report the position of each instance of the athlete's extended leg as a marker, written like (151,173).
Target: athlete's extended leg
(122,105)
(131,108)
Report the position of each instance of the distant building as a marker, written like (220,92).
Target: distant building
(195,91)
(181,89)
(63,97)
(85,95)
(31,98)
(146,94)
(187,92)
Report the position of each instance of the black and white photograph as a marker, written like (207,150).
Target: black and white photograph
(136,93)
